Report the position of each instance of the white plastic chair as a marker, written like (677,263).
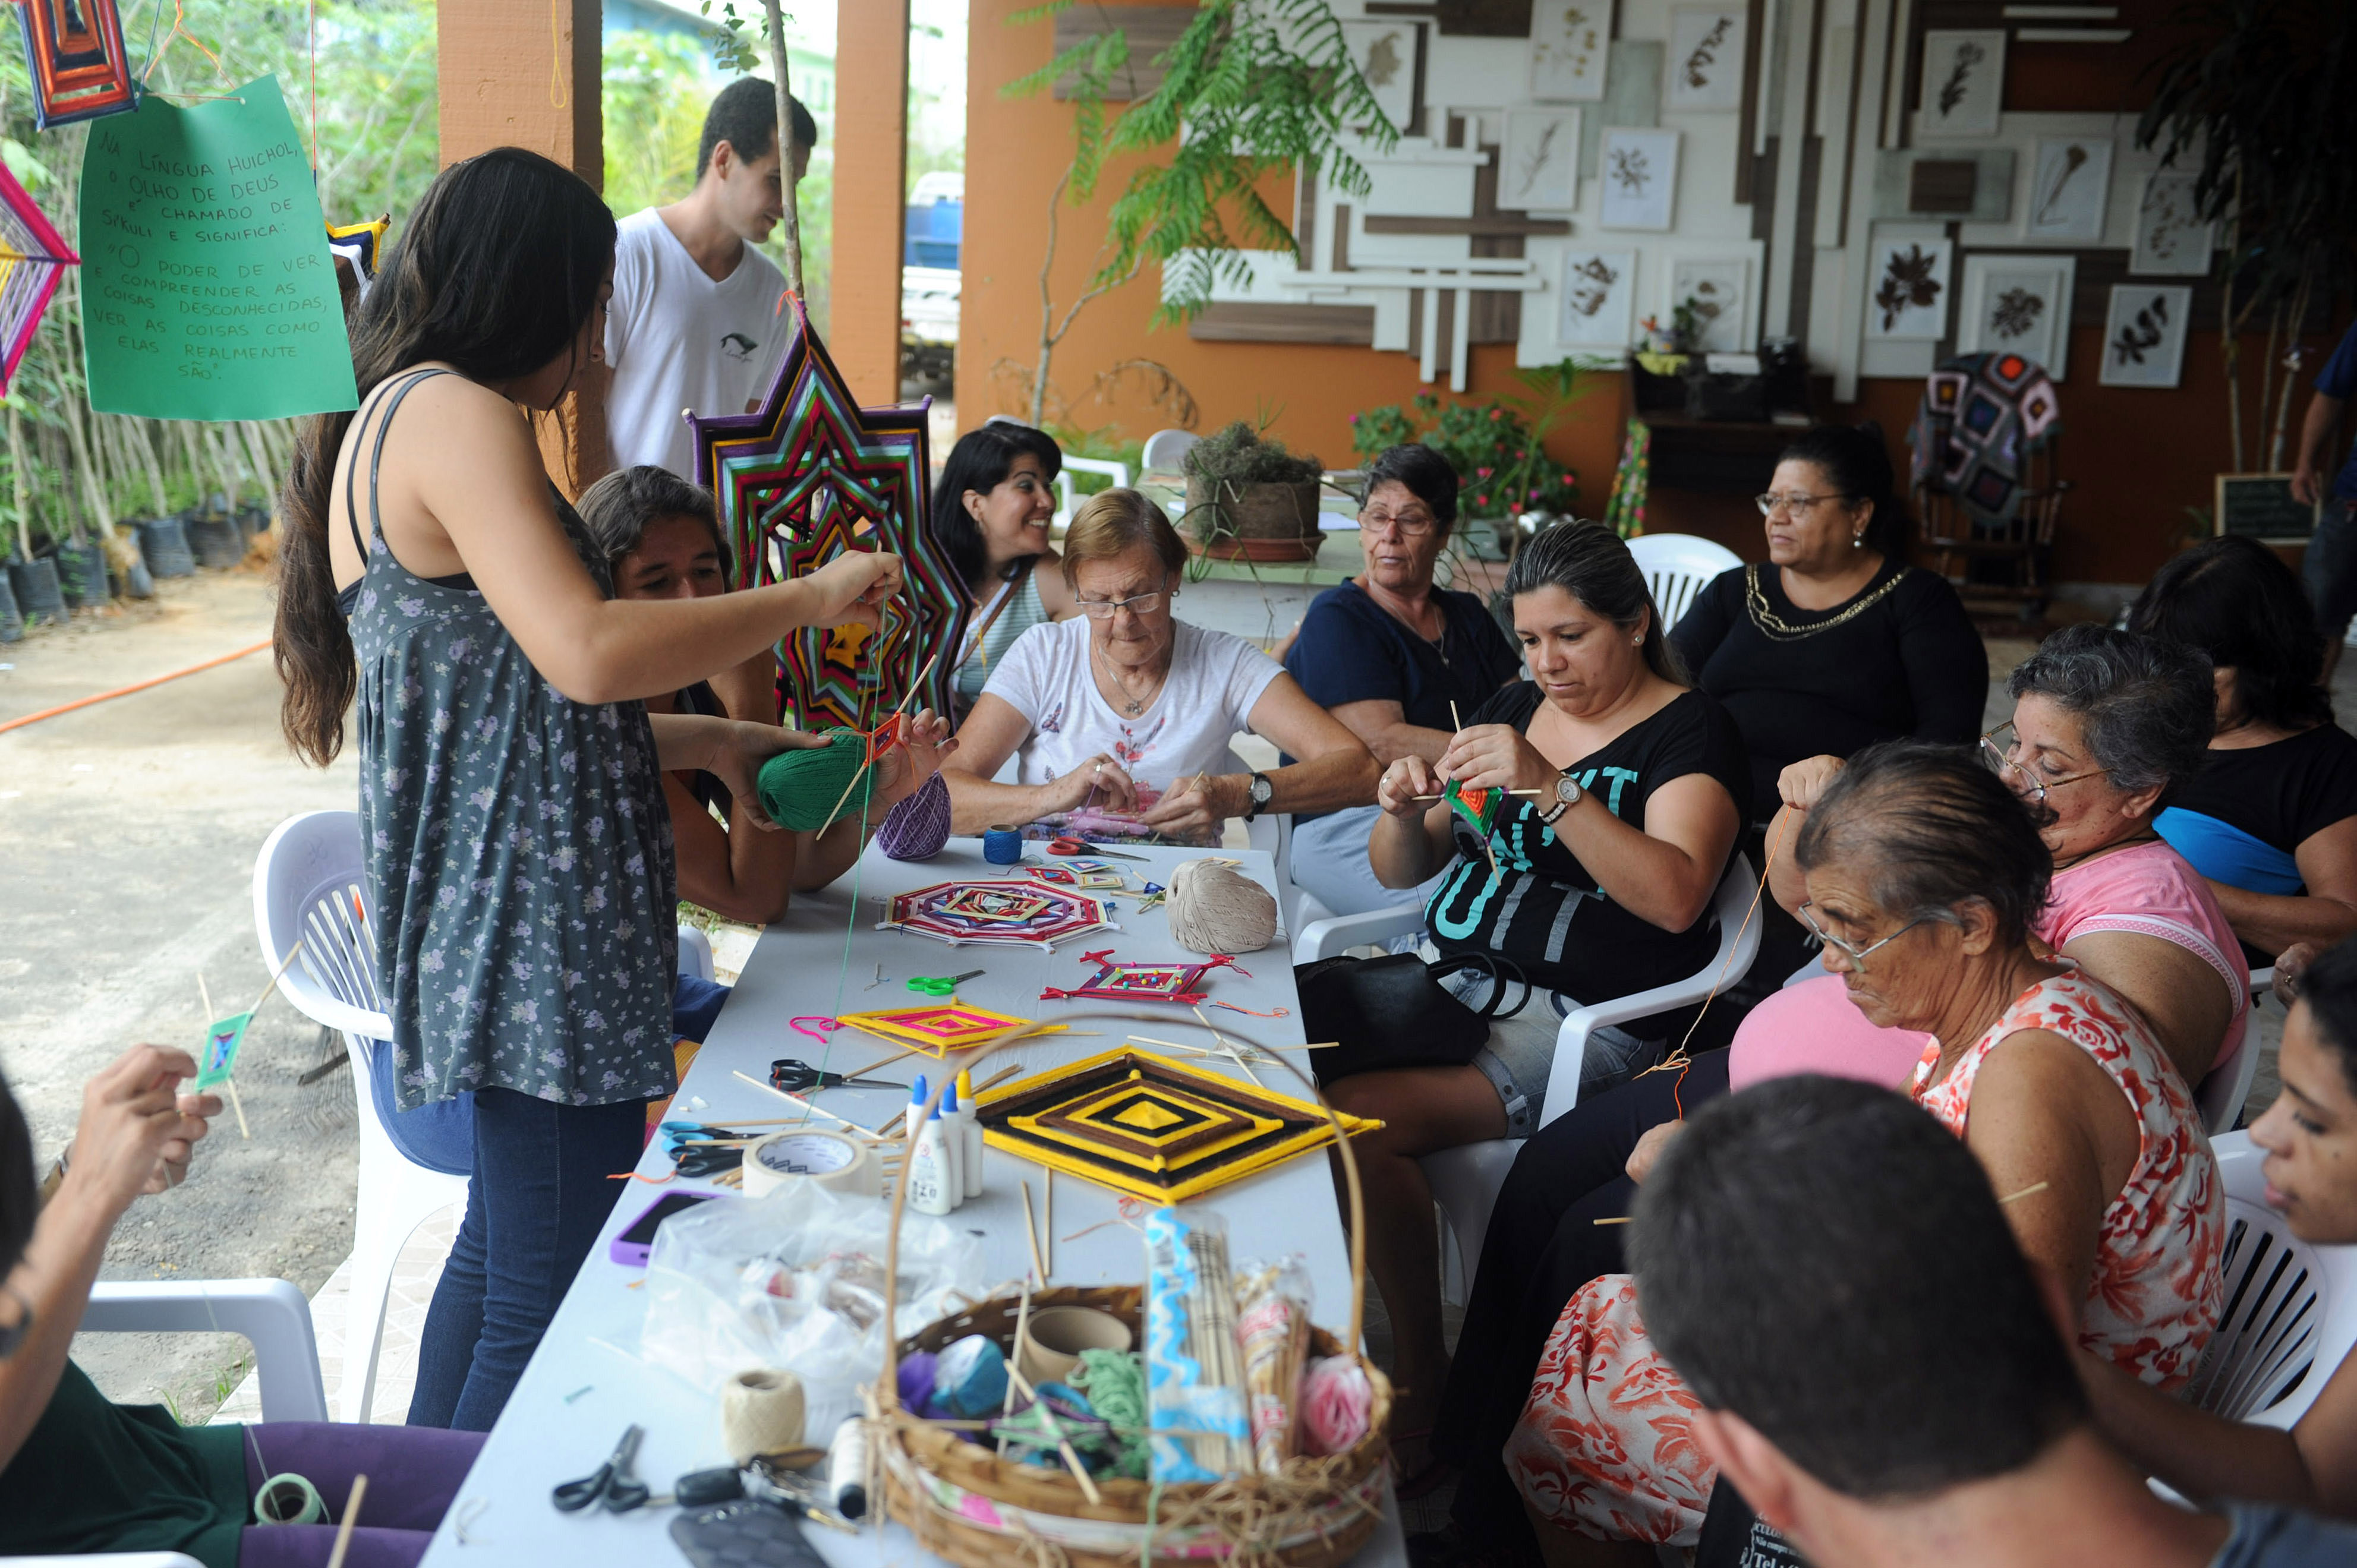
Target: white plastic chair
(1166,449)
(2291,1309)
(272,1315)
(1067,498)
(1466,1180)
(1676,568)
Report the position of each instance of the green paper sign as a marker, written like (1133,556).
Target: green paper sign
(219,1057)
(207,288)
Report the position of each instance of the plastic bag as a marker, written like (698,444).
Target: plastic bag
(1273,1304)
(796,1280)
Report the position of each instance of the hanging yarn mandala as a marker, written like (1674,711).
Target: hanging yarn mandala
(32,257)
(1478,807)
(73,51)
(950,1026)
(1117,982)
(1025,914)
(809,476)
(1152,1127)
(918,827)
(356,245)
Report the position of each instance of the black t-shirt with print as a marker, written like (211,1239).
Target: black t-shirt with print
(1541,907)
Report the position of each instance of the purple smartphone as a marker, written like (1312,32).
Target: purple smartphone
(631,1247)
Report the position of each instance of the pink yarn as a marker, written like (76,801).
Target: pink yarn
(1335,1402)
(918,827)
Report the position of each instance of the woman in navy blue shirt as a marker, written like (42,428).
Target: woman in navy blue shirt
(1387,653)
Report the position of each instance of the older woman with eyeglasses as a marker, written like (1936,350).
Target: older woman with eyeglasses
(1926,875)
(1390,655)
(1121,719)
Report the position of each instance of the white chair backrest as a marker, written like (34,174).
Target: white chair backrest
(1165,447)
(308,884)
(1677,567)
(1068,499)
(2291,1309)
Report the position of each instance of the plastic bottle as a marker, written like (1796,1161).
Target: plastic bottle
(952,1144)
(918,1094)
(969,1125)
(930,1175)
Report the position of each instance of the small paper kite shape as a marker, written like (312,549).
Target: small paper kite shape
(1027,914)
(1090,874)
(224,1037)
(809,476)
(73,51)
(938,1030)
(32,255)
(1151,1127)
(1478,807)
(1117,982)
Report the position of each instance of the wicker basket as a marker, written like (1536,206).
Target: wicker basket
(966,1504)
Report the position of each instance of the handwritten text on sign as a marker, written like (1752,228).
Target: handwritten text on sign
(208,289)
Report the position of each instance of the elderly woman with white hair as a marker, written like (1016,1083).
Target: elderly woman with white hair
(1120,720)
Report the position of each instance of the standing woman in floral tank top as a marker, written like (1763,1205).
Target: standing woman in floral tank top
(519,850)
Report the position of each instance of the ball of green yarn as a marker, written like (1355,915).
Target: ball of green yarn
(799,787)
(1115,1384)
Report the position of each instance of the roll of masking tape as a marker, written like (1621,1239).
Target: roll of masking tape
(761,1412)
(1002,845)
(811,1154)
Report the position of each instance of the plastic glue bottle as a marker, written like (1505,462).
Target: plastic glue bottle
(969,1126)
(914,1118)
(952,1144)
(930,1175)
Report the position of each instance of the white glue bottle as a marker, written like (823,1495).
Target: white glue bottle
(969,1126)
(930,1175)
(914,1116)
(954,1143)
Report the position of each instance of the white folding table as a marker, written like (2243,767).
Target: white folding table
(587,1382)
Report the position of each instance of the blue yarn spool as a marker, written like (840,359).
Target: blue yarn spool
(1002,845)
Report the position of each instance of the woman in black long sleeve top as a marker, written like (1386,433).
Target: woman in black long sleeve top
(1834,644)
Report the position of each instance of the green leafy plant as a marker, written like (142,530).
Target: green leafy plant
(1251,88)
(1498,447)
(1243,454)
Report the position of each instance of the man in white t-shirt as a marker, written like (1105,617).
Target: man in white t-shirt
(695,322)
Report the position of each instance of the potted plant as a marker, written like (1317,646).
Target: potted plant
(1249,499)
(1497,447)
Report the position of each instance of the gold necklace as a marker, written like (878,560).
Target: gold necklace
(1780,630)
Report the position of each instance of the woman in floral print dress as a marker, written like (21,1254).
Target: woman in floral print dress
(1923,873)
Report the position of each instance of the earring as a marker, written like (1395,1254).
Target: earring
(1858,542)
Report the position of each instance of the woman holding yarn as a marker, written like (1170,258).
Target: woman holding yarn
(520,868)
(1594,879)
(991,509)
(1120,721)
(662,539)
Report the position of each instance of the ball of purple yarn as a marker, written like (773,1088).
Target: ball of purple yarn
(918,827)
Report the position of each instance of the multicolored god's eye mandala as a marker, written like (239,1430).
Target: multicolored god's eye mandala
(809,476)
(1090,874)
(1478,807)
(1151,1127)
(73,52)
(1118,982)
(32,256)
(1025,913)
(951,1027)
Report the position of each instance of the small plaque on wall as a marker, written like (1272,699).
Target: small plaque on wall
(1942,184)
(2262,507)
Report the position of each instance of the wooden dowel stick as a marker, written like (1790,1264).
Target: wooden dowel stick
(1616,1219)
(205,995)
(2025,1192)
(239,1106)
(352,1516)
(1455,723)
(807,1105)
(274,974)
(918,682)
(1049,1218)
(1531,792)
(1012,1069)
(1031,1227)
(1056,1430)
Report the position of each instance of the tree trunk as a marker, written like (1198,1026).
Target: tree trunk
(17,467)
(785,141)
(136,433)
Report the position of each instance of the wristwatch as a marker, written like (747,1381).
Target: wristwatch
(1261,790)
(1567,795)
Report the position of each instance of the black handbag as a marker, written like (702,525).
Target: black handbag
(1393,1011)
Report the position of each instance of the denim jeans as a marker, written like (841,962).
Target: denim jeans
(2330,568)
(538,1200)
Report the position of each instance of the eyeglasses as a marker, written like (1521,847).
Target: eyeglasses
(1136,604)
(1413,524)
(1798,505)
(2020,779)
(1857,955)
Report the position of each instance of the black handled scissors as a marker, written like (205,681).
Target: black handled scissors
(612,1485)
(796,1076)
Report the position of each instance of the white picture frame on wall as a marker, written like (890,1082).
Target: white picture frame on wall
(1907,294)
(1538,162)
(2070,189)
(1964,81)
(2018,305)
(1704,59)
(1385,52)
(1638,170)
(1599,297)
(1569,41)
(2172,239)
(2144,334)
(1721,288)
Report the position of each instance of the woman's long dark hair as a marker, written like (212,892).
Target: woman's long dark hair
(494,274)
(981,461)
(2236,600)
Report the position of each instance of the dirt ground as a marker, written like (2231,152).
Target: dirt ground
(128,832)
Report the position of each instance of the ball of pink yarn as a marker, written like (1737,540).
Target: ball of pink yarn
(918,827)
(1336,1400)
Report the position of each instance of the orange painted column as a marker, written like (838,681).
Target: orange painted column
(871,176)
(524,73)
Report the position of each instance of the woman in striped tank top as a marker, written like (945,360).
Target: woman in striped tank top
(997,493)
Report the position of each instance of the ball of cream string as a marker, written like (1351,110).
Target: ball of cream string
(1215,907)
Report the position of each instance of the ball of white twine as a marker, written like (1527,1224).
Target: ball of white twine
(1215,907)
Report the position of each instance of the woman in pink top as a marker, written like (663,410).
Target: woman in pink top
(2106,722)
(1923,877)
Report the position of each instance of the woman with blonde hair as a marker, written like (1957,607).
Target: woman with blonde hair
(1120,720)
